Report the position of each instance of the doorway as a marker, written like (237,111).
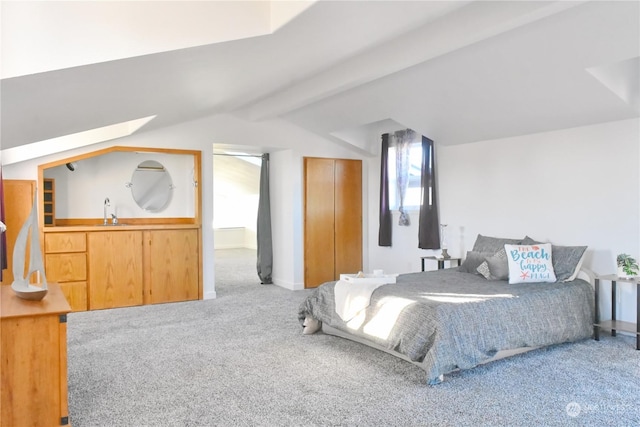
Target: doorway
(236,190)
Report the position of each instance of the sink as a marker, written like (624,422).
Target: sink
(111,225)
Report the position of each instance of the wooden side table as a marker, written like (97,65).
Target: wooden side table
(440,261)
(34,359)
(614,325)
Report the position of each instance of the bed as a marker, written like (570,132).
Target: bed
(458,318)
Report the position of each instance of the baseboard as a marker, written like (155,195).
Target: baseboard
(209,295)
(292,286)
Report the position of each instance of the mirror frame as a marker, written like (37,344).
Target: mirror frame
(197,167)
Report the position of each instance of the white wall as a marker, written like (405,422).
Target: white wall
(81,193)
(234,238)
(190,138)
(287,144)
(582,188)
(570,187)
(236,192)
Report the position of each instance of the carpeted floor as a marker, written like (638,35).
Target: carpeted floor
(241,360)
(235,271)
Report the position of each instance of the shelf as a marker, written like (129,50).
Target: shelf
(616,278)
(618,325)
(49,205)
(615,324)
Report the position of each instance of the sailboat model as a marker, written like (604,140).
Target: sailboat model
(21,285)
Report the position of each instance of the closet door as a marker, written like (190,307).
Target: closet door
(332,219)
(348,217)
(319,223)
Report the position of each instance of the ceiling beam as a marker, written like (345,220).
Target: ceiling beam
(474,22)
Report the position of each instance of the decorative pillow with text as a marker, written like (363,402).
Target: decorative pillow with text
(530,263)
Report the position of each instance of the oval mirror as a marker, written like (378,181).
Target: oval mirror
(151,186)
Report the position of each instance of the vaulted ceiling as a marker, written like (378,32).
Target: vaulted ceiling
(458,72)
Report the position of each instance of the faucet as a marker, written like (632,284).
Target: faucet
(114,219)
(106,203)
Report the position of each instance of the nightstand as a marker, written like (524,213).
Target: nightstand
(614,325)
(440,261)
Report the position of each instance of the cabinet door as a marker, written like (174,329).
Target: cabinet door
(115,269)
(348,216)
(76,294)
(31,371)
(174,261)
(18,200)
(319,223)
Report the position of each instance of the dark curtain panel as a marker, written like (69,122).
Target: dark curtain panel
(429,228)
(384,233)
(265,247)
(3,237)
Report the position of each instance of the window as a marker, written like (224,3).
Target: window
(413,161)
(413,195)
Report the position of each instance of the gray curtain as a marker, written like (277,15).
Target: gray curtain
(384,232)
(265,247)
(429,228)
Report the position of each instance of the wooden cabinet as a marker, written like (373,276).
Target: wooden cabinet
(172,264)
(123,266)
(18,200)
(332,219)
(33,357)
(115,268)
(66,263)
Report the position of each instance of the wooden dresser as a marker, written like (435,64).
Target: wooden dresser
(33,359)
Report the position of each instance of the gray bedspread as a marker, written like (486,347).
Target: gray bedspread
(447,319)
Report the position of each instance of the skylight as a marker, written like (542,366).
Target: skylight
(71,141)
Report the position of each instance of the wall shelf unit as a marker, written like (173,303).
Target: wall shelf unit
(49,201)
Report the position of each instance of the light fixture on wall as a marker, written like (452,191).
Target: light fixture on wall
(72,166)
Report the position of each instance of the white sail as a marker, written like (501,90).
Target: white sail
(21,282)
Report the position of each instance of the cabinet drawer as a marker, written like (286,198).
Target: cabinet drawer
(76,295)
(65,242)
(66,267)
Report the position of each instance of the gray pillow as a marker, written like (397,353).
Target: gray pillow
(529,241)
(566,261)
(472,261)
(495,267)
(492,245)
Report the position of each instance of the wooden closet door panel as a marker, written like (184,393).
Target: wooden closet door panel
(115,269)
(18,200)
(319,221)
(348,216)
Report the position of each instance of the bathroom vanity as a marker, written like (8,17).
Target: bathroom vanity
(124,265)
(137,241)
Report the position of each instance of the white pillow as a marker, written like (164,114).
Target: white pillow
(530,263)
